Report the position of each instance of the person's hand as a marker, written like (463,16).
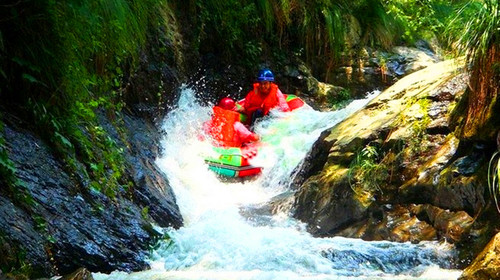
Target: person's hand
(249,153)
(254,137)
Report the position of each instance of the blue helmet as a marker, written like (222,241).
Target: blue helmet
(265,75)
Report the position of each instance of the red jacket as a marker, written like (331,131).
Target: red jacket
(226,129)
(254,100)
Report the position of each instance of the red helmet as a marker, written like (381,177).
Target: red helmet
(227,103)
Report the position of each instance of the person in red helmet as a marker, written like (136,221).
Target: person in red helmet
(226,128)
(264,96)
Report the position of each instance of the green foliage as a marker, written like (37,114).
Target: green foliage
(476,27)
(421,18)
(371,169)
(40,223)
(367,171)
(378,27)
(340,99)
(247,30)
(68,59)
(323,26)
(145,213)
(418,127)
(161,241)
(106,163)
(231,26)
(416,119)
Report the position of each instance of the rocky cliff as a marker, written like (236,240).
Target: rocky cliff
(61,223)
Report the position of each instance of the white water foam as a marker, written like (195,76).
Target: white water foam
(228,234)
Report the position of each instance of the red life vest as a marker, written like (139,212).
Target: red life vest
(254,100)
(221,127)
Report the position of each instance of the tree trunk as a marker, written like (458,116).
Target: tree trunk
(483,111)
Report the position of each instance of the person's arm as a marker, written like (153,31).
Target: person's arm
(282,101)
(244,134)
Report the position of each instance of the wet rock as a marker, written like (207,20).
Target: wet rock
(313,162)
(18,233)
(412,223)
(329,207)
(301,78)
(392,222)
(326,200)
(152,87)
(80,274)
(386,257)
(452,226)
(445,181)
(151,188)
(328,95)
(486,265)
(265,214)
(413,59)
(469,164)
(62,224)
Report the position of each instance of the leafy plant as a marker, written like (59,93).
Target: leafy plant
(482,19)
(419,126)
(367,171)
(421,19)
(339,99)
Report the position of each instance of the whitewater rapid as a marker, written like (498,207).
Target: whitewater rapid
(229,232)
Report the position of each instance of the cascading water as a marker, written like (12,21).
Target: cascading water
(229,234)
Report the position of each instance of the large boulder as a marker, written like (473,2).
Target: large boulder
(409,196)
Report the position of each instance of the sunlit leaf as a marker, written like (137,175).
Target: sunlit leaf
(30,78)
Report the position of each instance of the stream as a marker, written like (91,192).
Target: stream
(229,230)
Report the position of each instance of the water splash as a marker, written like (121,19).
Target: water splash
(230,234)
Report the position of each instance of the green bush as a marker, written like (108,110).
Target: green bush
(366,172)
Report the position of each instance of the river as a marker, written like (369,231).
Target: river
(229,232)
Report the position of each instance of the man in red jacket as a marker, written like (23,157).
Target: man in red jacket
(265,96)
(225,126)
